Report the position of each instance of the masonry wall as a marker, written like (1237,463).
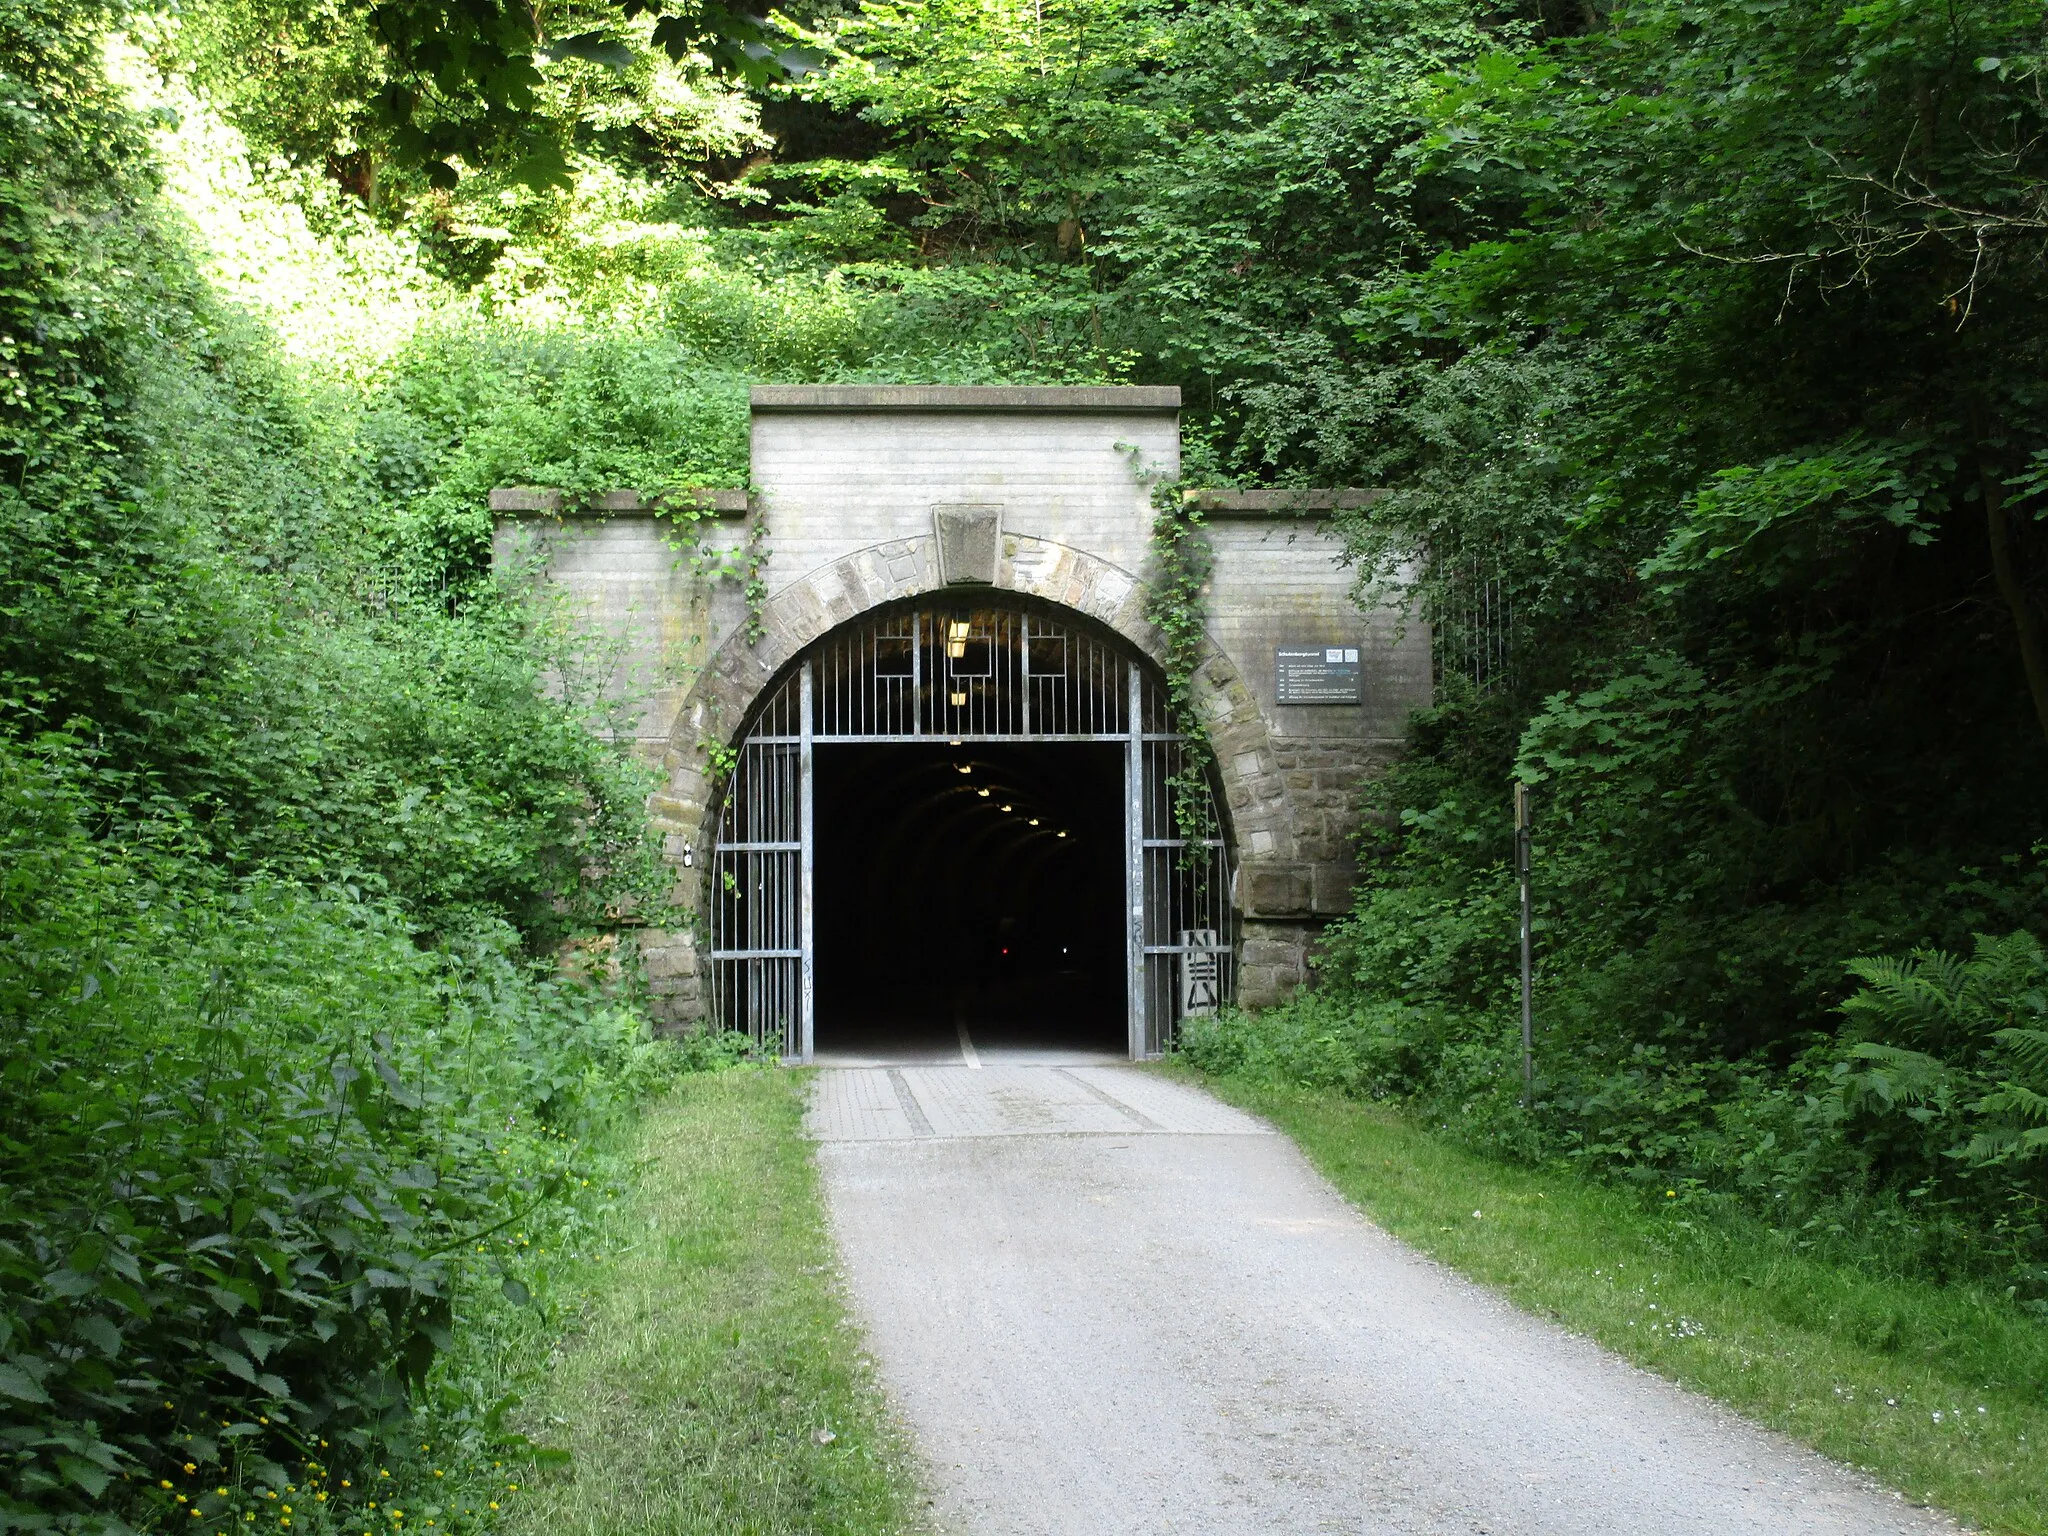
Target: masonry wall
(836,479)
(846,482)
(654,600)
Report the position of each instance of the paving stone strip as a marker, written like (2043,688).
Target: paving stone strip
(1107,1303)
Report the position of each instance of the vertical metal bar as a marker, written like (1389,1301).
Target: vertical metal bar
(917,674)
(1134,862)
(806,917)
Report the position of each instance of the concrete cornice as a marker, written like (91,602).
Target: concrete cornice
(1304,502)
(539,499)
(1290,501)
(988,399)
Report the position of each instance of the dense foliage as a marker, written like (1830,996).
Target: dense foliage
(290,831)
(262,1153)
(1698,347)
(1727,394)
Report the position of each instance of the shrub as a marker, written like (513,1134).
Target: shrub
(1915,1140)
(256,1141)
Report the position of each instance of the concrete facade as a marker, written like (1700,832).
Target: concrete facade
(851,488)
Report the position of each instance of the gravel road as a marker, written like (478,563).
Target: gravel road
(1106,1303)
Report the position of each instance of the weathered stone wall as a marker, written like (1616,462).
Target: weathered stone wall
(648,589)
(846,481)
(1272,960)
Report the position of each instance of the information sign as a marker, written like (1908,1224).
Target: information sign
(1200,983)
(1319,674)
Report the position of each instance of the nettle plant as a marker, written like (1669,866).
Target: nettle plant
(259,1149)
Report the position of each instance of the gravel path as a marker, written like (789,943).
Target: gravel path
(1107,1303)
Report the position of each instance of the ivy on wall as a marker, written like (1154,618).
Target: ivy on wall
(1177,605)
(683,514)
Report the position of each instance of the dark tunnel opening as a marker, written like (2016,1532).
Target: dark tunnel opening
(979,885)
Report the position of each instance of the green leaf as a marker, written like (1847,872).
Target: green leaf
(101,1333)
(260,1344)
(85,1474)
(18,1384)
(237,1363)
(592,48)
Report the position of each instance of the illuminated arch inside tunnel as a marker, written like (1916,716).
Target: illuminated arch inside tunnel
(954,813)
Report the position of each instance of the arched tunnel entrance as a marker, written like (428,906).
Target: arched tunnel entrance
(950,825)
(977,888)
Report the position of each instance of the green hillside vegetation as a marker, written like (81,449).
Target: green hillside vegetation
(1699,348)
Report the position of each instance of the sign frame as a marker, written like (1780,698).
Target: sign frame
(1312,675)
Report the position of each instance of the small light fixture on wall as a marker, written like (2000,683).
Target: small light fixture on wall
(689,857)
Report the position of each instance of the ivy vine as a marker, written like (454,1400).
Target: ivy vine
(683,514)
(755,584)
(1177,606)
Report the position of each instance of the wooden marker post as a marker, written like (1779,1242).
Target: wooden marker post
(1528,979)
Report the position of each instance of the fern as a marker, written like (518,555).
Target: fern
(2029,1047)
(2018,1100)
(1890,1077)
(2002,1144)
(1947,1038)
(1921,998)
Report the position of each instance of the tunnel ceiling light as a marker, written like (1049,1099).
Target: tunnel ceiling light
(1034,821)
(957,700)
(954,742)
(983,792)
(956,635)
(1060,834)
(1006,807)
(963,767)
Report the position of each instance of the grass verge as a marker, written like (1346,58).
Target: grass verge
(708,1354)
(1940,1392)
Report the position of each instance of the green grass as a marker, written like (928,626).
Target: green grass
(712,1348)
(1857,1367)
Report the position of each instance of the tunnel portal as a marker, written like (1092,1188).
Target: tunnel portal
(953,820)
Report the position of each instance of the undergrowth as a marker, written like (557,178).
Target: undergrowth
(1913,1142)
(261,1153)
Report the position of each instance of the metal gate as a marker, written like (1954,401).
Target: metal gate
(956,674)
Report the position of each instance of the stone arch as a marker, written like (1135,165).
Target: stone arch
(799,614)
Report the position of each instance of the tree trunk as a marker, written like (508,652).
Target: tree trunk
(2033,655)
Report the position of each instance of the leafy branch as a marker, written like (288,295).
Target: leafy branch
(464,82)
